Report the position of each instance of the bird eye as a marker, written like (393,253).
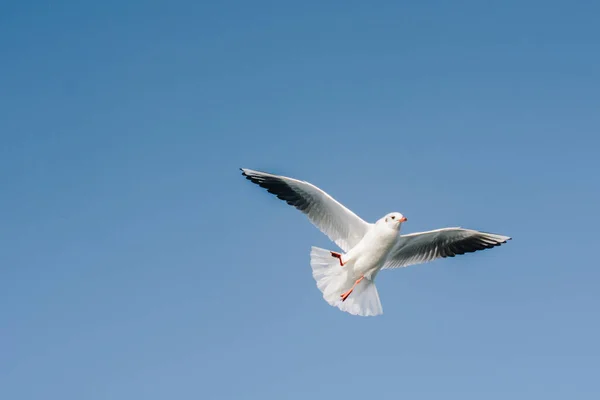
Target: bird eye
(393,217)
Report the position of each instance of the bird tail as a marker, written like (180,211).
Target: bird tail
(333,280)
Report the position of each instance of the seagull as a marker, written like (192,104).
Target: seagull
(347,279)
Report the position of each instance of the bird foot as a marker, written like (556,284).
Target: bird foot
(345,295)
(338,256)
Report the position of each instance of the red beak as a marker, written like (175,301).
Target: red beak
(403,219)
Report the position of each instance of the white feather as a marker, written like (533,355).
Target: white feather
(333,280)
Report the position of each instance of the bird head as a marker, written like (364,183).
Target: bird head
(394,220)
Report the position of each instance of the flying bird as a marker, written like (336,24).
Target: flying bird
(347,279)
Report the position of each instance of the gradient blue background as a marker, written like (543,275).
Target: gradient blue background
(137,263)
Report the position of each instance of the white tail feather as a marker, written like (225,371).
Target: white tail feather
(333,280)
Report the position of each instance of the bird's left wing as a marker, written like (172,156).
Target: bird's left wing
(340,224)
(422,247)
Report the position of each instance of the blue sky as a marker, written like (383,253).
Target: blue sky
(136,262)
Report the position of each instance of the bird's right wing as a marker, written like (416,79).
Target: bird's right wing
(340,224)
(422,247)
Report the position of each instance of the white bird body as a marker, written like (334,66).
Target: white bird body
(347,279)
(367,257)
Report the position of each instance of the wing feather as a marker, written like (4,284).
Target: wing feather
(340,224)
(422,247)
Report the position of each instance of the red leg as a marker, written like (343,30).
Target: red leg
(345,295)
(338,256)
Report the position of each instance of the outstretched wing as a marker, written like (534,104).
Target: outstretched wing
(340,224)
(422,247)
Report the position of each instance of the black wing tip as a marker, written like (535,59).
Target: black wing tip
(252,173)
(245,174)
(244,171)
(480,247)
(279,187)
(499,242)
(248,174)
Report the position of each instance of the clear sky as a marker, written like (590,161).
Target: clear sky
(137,263)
